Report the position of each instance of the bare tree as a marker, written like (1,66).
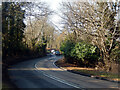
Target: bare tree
(37,23)
(96,22)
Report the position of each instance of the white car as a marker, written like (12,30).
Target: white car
(53,51)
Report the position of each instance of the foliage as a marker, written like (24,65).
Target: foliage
(40,48)
(115,53)
(12,28)
(14,40)
(80,51)
(66,48)
(38,31)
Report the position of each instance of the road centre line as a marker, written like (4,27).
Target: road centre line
(55,78)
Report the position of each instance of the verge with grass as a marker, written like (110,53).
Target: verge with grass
(91,72)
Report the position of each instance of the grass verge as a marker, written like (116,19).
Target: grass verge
(102,74)
(88,71)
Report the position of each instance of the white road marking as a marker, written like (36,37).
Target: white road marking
(58,67)
(55,78)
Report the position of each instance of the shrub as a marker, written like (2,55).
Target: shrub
(66,47)
(81,53)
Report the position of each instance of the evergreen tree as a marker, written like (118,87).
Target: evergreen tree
(12,28)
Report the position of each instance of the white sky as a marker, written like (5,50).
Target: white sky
(55,6)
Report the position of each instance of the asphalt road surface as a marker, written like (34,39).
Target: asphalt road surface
(43,73)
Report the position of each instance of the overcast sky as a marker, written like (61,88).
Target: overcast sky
(55,6)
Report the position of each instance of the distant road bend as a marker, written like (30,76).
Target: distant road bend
(42,73)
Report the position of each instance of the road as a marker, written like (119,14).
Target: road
(43,73)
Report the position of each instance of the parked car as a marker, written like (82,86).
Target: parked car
(53,51)
(57,52)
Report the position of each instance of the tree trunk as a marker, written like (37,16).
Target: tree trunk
(106,59)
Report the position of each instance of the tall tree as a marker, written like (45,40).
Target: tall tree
(38,29)
(12,27)
(95,22)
